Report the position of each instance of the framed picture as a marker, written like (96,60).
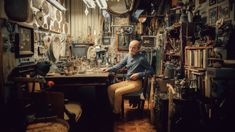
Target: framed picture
(148,41)
(122,41)
(24,42)
(106,40)
(213,16)
(219,1)
(201,1)
(107,23)
(223,11)
(212,2)
(122,21)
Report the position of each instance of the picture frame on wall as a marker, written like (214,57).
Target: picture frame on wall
(212,2)
(212,15)
(148,41)
(223,11)
(122,21)
(202,1)
(106,40)
(219,1)
(24,42)
(123,41)
(107,23)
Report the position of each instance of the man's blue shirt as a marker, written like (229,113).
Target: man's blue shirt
(134,64)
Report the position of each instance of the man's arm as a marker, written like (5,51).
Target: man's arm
(118,66)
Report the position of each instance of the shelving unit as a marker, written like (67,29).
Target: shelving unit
(174,48)
(196,62)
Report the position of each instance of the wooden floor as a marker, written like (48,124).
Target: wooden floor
(134,121)
(103,121)
(97,116)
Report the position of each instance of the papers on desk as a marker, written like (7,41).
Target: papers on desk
(51,74)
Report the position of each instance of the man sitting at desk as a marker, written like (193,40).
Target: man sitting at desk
(137,67)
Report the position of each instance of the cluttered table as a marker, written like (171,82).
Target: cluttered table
(88,78)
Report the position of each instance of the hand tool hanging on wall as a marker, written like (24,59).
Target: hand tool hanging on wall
(58,15)
(45,7)
(39,18)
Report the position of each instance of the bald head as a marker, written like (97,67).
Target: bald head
(134,47)
(135,43)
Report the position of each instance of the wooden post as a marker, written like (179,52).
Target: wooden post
(171,92)
(1,68)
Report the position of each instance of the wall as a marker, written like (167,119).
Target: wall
(54,27)
(204,9)
(85,28)
(44,35)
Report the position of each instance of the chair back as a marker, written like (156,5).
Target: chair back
(145,87)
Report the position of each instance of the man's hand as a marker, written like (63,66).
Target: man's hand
(104,69)
(134,76)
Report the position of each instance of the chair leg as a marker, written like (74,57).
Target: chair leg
(142,105)
(123,111)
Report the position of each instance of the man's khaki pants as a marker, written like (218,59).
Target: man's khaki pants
(115,92)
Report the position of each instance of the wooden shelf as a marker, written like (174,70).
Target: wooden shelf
(195,69)
(198,73)
(216,59)
(197,47)
(172,54)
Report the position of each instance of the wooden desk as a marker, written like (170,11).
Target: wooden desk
(86,79)
(89,81)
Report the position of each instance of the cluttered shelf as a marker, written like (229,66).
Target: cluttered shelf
(173,54)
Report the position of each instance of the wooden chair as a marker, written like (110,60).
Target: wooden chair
(49,103)
(69,111)
(32,97)
(138,97)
